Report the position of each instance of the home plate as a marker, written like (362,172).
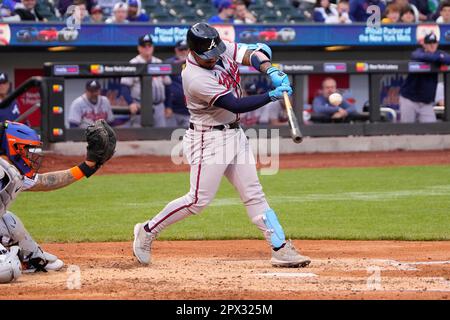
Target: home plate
(289,275)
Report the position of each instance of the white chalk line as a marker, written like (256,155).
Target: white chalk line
(428,262)
(407,266)
(432,191)
(403,266)
(288,275)
(399,290)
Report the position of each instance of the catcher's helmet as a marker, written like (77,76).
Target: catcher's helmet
(205,41)
(19,143)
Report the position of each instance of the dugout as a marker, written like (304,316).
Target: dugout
(328,50)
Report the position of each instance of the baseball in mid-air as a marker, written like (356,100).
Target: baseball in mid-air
(335,99)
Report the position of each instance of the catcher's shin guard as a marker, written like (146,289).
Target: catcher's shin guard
(18,234)
(13,232)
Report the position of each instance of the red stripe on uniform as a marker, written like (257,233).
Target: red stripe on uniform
(235,51)
(196,192)
(216,96)
(198,174)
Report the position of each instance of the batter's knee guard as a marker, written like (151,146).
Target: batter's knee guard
(19,235)
(10,266)
(269,224)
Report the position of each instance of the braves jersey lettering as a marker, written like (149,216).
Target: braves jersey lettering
(94,116)
(231,78)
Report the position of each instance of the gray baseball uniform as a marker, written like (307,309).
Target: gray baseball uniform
(11,228)
(83,112)
(214,153)
(158,91)
(412,111)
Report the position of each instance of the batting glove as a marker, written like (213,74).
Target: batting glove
(277,93)
(278,77)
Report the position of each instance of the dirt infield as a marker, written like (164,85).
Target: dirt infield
(241,270)
(149,164)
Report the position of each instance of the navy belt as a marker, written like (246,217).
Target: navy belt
(234,125)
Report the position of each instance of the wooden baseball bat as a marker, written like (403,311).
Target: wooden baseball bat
(296,134)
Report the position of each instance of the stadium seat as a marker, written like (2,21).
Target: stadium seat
(161,18)
(257,3)
(285,9)
(270,4)
(205,11)
(188,18)
(156,10)
(270,18)
(306,8)
(296,17)
(257,10)
(177,9)
(151,4)
(205,6)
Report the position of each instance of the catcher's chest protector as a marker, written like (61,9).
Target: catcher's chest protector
(11,183)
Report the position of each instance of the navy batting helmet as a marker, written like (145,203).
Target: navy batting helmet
(205,41)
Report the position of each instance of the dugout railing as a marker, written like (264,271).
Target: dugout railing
(54,106)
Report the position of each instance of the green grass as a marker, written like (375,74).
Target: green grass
(407,203)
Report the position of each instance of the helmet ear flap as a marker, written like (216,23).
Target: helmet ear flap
(15,139)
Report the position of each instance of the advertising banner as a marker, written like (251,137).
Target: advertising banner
(94,35)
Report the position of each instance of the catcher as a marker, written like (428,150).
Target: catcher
(19,164)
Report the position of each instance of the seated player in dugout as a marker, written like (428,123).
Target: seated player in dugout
(20,160)
(324,111)
(11,112)
(215,144)
(90,107)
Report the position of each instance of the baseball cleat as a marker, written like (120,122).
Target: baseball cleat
(142,243)
(288,257)
(53,263)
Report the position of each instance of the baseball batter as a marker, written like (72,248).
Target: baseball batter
(216,146)
(19,163)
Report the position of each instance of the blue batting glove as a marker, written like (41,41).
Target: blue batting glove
(278,77)
(277,93)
